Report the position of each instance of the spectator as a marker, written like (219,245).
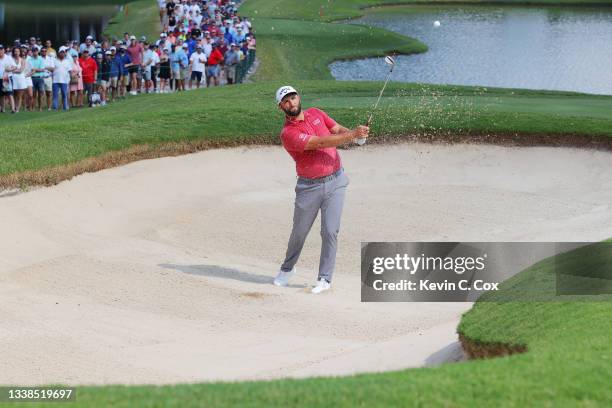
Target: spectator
(7,66)
(165,71)
(115,72)
(212,69)
(198,66)
(76,84)
(48,77)
(231,59)
(89,69)
(126,62)
(150,61)
(135,51)
(19,80)
(62,68)
(104,70)
(36,67)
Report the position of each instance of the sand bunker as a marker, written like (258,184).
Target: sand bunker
(160,271)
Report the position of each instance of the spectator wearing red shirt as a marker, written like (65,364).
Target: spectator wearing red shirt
(212,67)
(311,137)
(90,72)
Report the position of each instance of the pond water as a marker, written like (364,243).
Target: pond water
(515,47)
(58,21)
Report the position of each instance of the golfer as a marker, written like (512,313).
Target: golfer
(311,137)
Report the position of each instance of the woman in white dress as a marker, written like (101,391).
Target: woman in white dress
(19,80)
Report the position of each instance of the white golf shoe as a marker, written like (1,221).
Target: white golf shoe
(282,279)
(322,285)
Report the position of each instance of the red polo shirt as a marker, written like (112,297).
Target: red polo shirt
(295,135)
(90,68)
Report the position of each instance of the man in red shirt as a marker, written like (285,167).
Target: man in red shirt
(311,137)
(90,72)
(212,66)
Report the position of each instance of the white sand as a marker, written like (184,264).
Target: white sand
(160,271)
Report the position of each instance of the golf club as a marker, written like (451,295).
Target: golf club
(391,62)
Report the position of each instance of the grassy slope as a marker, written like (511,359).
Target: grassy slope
(568,363)
(139,17)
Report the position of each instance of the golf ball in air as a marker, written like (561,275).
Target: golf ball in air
(436,23)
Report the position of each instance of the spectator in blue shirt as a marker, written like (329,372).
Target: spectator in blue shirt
(125,62)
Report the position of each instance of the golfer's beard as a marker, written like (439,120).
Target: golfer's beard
(294,111)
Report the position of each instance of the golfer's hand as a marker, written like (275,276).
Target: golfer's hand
(361,132)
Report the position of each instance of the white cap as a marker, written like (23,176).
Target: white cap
(163,35)
(283,91)
(62,49)
(89,37)
(132,37)
(113,48)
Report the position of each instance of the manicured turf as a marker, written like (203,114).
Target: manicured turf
(568,362)
(245,112)
(139,17)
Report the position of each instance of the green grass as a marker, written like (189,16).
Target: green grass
(139,17)
(34,141)
(568,362)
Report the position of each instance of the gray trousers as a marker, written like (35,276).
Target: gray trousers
(310,197)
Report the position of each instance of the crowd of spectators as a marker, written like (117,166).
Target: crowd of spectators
(202,43)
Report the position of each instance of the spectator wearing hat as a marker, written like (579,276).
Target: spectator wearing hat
(150,61)
(212,68)
(62,69)
(104,69)
(87,45)
(179,64)
(231,60)
(89,68)
(76,84)
(7,66)
(197,66)
(135,51)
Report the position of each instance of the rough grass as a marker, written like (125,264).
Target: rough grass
(50,147)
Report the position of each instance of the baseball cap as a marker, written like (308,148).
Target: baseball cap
(108,53)
(132,37)
(284,91)
(89,37)
(185,46)
(113,48)
(163,35)
(62,49)
(143,38)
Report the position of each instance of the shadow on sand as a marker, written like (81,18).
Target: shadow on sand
(216,271)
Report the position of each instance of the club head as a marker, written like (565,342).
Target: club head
(389,60)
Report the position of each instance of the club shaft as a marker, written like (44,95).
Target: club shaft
(379,97)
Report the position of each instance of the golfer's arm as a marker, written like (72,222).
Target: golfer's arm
(338,129)
(316,142)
